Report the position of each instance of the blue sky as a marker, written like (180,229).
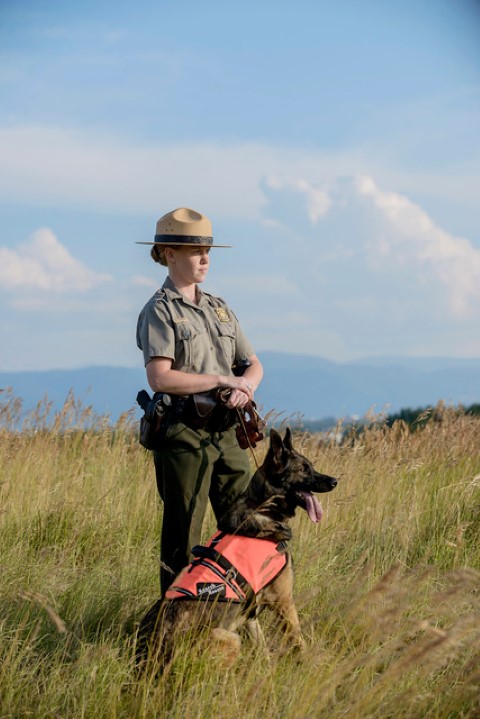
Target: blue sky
(334,144)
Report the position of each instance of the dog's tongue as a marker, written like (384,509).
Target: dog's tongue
(314,509)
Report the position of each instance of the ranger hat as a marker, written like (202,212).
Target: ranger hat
(183,227)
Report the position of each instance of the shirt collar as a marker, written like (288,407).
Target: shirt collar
(174,293)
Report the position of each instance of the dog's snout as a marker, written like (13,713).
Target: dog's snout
(325,483)
(329,483)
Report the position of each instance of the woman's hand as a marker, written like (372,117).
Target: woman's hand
(239,386)
(162,378)
(237,398)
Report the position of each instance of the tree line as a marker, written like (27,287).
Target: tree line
(414,418)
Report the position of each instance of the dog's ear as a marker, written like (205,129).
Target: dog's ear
(287,440)
(276,445)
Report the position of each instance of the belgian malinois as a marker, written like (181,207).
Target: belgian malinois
(216,592)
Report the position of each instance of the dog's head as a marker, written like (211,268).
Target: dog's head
(291,478)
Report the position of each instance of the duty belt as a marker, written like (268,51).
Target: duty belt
(202,410)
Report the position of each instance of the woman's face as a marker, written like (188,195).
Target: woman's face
(188,265)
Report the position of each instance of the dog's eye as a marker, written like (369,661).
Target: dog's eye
(307,468)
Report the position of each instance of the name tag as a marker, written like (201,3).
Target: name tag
(210,589)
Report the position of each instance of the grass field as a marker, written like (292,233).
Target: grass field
(387,586)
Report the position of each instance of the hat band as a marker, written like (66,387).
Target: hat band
(183,240)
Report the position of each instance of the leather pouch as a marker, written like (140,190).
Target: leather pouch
(251,427)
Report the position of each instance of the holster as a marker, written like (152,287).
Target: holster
(152,424)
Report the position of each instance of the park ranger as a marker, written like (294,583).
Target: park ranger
(191,343)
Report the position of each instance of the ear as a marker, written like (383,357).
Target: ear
(276,444)
(169,254)
(287,441)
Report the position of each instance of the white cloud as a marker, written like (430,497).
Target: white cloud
(317,200)
(414,240)
(362,269)
(43,264)
(143,281)
(59,167)
(383,234)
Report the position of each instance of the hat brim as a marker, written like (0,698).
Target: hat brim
(178,244)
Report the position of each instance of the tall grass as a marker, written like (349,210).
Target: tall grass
(387,586)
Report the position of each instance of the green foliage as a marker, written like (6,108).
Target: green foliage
(416,418)
(386,586)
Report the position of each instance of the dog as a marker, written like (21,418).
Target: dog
(219,591)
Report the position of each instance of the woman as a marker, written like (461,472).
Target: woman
(191,341)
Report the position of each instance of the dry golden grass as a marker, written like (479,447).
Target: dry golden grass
(387,586)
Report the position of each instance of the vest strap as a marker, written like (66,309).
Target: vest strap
(182,590)
(231,572)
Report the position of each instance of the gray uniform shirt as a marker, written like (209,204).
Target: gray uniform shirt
(203,338)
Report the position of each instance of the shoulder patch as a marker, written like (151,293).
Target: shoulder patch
(222,314)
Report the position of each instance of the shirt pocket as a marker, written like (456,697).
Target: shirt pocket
(191,344)
(227,342)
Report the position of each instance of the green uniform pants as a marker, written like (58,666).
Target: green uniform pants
(192,467)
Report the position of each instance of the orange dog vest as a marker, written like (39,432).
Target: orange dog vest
(229,568)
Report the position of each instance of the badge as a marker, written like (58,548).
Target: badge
(222,314)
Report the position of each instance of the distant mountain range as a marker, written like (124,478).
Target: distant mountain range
(309,386)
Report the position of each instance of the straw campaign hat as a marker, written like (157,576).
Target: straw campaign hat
(183,227)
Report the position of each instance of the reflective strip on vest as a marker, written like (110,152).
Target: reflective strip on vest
(259,561)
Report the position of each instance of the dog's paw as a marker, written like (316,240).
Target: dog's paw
(224,646)
(295,649)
